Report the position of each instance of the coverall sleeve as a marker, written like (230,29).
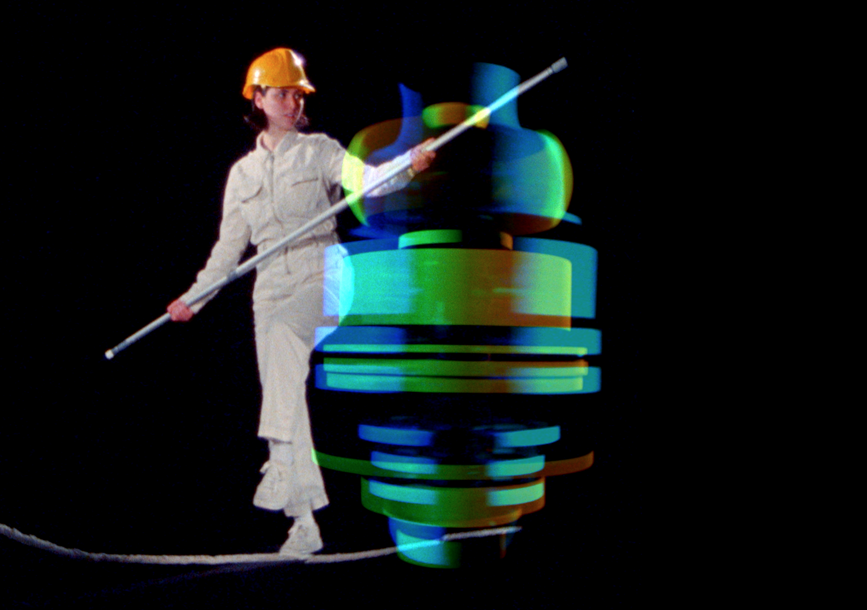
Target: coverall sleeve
(354,175)
(234,238)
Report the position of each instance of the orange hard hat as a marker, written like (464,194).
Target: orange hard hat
(277,68)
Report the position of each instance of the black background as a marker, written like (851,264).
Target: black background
(121,129)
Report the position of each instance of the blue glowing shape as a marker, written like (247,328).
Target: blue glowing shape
(410,539)
(517,179)
(584,264)
(490,82)
(495,468)
(412,435)
(395,436)
(411,132)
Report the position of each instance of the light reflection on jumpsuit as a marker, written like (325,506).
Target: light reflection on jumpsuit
(268,195)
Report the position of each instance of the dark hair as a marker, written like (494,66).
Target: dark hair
(257,119)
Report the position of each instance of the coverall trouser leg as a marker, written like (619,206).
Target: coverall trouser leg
(285,331)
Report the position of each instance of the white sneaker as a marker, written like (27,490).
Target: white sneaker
(274,490)
(303,539)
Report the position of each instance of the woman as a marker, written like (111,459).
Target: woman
(285,181)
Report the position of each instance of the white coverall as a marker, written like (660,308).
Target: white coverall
(268,195)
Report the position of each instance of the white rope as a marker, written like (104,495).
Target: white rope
(44,545)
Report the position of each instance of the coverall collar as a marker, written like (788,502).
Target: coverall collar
(285,144)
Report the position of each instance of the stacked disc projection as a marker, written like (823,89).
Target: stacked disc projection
(462,371)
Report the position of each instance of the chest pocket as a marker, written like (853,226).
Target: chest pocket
(252,208)
(301,198)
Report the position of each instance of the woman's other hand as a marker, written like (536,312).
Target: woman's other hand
(179,311)
(421,159)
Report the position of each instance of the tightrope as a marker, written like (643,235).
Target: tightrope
(44,545)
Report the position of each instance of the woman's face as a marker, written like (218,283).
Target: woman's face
(282,106)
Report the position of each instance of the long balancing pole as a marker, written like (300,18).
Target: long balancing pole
(344,203)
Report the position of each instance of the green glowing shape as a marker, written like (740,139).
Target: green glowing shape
(587,380)
(446,114)
(454,368)
(451,286)
(370,139)
(478,498)
(434,236)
